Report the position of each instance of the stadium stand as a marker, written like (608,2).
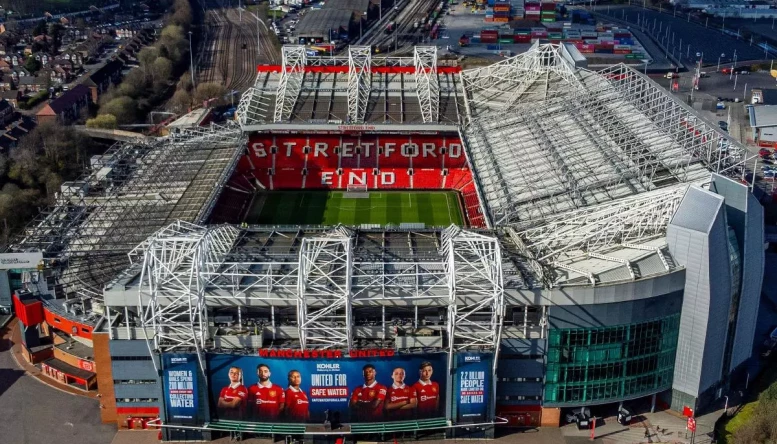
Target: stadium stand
(336,161)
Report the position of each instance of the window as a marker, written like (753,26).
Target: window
(599,364)
(130,358)
(85,330)
(57,320)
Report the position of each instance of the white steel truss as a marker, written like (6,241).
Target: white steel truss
(171,294)
(475,290)
(290,83)
(359,82)
(427,84)
(537,74)
(324,290)
(621,136)
(599,227)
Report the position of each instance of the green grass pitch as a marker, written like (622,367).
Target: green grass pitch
(439,208)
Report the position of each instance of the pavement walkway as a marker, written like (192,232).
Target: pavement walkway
(661,427)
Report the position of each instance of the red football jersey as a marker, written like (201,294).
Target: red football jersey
(266,401)
(364,395)
(428,397)
(403,394)
(296,405)
(229,394)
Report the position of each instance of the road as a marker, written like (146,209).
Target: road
(232,45)
(34,413)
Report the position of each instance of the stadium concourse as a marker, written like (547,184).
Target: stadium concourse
(612,251)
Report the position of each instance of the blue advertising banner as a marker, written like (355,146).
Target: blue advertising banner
(472,386)
(296,387)
(179,380)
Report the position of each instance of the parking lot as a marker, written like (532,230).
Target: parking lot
(695,38)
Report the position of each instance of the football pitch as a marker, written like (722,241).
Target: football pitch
(439,208)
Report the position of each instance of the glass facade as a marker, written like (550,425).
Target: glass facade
(598,365)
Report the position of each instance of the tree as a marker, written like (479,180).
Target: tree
(207,91)
(173,43)
(104,121)
(39,28)
(32,65)
(161,70)
(123,108)
(180,102)
(134,84)
(147,55)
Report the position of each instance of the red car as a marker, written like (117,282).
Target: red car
(764,152)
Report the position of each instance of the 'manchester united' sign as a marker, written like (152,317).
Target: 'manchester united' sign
(324,354)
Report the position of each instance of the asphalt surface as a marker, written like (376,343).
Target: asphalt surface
(709,41)
(34,413)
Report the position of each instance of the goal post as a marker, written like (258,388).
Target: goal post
(356,188)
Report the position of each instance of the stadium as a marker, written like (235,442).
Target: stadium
(531,236)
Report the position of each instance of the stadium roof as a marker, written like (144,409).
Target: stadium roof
(578,171)
(320,22)
(355,89)
(131,192)
(544,139)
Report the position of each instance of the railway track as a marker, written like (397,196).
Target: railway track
(232,44)
(409,26)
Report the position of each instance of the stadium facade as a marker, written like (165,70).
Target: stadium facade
(613,252)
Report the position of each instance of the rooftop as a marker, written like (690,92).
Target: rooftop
(763,116)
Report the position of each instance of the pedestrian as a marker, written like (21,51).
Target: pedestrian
(647,433)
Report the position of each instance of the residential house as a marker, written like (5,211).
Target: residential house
(101,79)
(7,112)
(33,84)
(12,96)
(10,135)
(7,83)
(43,58)
(67,107)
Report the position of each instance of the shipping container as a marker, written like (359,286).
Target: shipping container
(492,47)
(548,19)
(522,38)
(621,51)
(489,39)
(603,50)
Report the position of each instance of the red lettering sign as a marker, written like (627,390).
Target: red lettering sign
(323,354)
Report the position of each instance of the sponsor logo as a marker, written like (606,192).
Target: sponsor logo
(179,360)
(328,367)
(472,359)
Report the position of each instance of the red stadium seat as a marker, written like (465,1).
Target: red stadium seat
(427,179)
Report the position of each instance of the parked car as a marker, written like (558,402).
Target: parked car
(723,125)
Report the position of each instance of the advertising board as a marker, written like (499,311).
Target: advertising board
(10,261)
(472,387)
(179,380)
(310,387)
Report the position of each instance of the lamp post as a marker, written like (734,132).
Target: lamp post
(191,60)
(721,56)
(733,65)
